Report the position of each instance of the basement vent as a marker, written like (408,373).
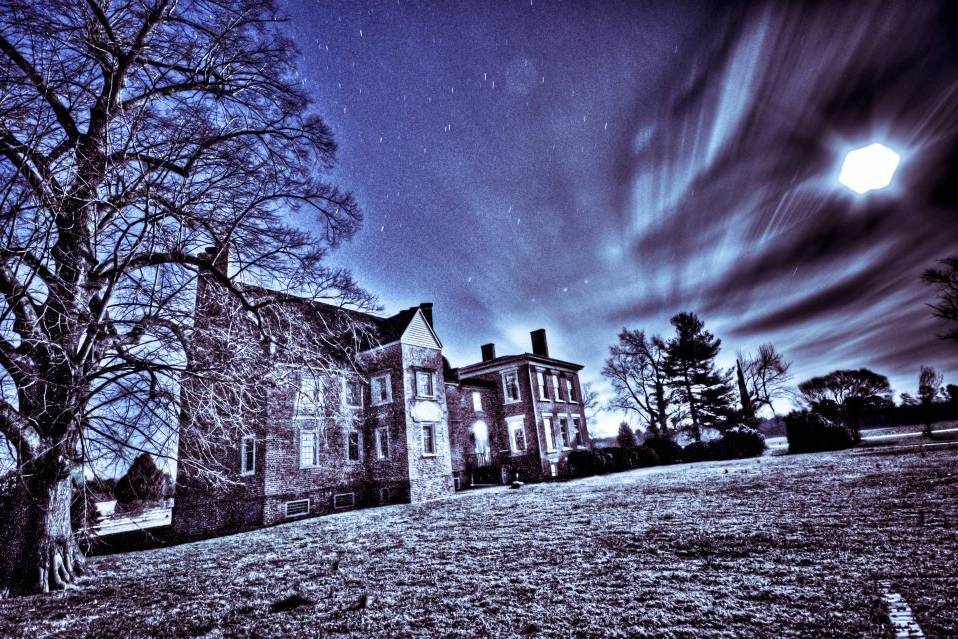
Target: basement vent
(297,508)
(384,495)
(344,500)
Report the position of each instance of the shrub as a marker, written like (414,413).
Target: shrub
(666,450)
(585,463)
(643,457)
(809,432)
(621,458)
(738,442)
(698,451)
(143,482)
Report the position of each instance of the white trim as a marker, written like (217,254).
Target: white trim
(557,387)
(566,444)
(373,396)
(432,426)
(378,442)
(550,434)
(297,502)
(346,383)
(244,471)
(432,382)
(541,383)
(476,402)
(517,423)
(505,387)
(571,389)
(319,403)
(315,433)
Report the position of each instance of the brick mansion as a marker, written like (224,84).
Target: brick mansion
(409,427)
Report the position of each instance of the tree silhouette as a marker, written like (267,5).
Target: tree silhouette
(636,370)
(134,134)
(945,280)
(626,437)
(847,395)
(929,386)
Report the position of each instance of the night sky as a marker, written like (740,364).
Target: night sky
(583,167)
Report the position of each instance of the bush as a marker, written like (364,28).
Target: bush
(143,482)
(666,450)
(809,432)
(739,442)
(643,457)
(698,451)
(585,463)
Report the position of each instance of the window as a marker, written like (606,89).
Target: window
(429,439)
(570,390)
(424,384)
(248,455)
(297,508)
(309,399)
(308,449)
(353,445)
(382,392)
(476,401)
(382,443)
(543,391)
(556,388)
(517,435)
(564,432)
(344,500)
(549,435)
(576,431)
(510,384)
(354,393)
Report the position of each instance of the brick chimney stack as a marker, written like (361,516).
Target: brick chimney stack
(488,352)
(540,346)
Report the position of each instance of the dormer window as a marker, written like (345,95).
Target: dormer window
(424,387)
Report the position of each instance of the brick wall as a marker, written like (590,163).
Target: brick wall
(430,476)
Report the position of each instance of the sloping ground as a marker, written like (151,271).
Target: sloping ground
(777,547)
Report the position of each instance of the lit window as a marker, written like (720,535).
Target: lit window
(510,384)
(428,439)
(549,435)
(308,449)
(382,443)
(382,392)
(556,388)
(309,399)
(570,390)
(424,384)
(543,391)
(517,435)
(354,393)
(248,455)
(476,401)
(353,445)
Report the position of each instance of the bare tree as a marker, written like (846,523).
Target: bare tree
(767,376)
(636,370)
(929,387)
(945,280)
(132,135)
(590,401)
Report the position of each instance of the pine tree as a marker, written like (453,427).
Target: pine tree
(625,438)
(143,482)
(702,388)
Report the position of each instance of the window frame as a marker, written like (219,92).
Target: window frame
(548,431)
(576,421)
(359,446)
(315,433)
(564,432)
(430,427)
(512,372)
(432,383)
(514,425)
(378,443)
(570,389)
(543,387)
(557,387)
(244,470)
(346,385)
(316,408)
(476,402)
(386,379)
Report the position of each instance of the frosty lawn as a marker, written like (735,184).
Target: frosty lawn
(778,547)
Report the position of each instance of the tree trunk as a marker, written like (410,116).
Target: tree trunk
(40,552)
(693,411)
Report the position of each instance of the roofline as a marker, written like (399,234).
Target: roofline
(509,359)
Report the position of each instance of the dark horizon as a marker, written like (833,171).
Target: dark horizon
(584,168)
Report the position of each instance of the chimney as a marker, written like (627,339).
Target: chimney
(219,257)
(426,308)
(488,352)
(539,344)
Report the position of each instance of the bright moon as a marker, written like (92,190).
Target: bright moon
(869,168)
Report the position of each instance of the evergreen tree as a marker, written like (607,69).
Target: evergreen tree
(625,438)
(143,482)
(699,386)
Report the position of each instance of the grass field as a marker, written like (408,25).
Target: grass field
(785,546)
